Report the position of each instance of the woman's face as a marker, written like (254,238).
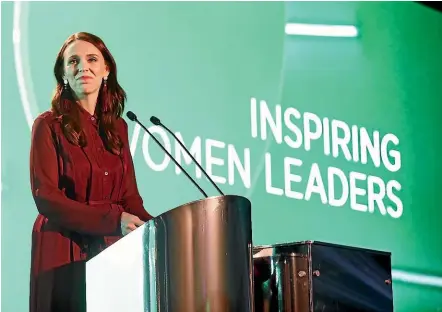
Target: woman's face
(84,68)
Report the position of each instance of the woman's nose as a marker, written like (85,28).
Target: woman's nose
(83,66)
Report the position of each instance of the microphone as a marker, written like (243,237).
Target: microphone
(156,121)
(134,118)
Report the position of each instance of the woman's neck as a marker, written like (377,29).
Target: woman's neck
(89,102)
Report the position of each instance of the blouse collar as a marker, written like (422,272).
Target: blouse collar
(85,115)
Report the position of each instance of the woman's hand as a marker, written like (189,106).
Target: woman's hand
(129,223)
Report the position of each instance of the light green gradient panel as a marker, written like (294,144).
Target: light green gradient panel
(195,65)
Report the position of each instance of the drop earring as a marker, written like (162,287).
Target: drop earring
(64,104)
(105,81)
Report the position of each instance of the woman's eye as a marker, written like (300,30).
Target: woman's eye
(73,61)
(92,59)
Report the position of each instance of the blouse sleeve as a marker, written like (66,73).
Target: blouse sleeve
(132,201)
(51,202)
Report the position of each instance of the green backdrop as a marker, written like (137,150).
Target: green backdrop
(201,67)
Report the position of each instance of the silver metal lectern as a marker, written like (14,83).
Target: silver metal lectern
(196,257)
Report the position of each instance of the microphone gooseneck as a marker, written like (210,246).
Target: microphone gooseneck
(134,118)
(157,121)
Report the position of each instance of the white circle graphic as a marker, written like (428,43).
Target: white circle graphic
(21,60)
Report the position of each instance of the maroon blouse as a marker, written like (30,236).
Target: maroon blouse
(80,194)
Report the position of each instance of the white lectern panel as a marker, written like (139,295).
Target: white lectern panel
(115,277)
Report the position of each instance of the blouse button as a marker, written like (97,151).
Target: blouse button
(106,173)
(92,118)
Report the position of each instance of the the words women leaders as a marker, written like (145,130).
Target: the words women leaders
(82,175)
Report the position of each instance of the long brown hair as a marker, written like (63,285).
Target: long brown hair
(110,101)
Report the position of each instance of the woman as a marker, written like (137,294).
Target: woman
(82,175)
